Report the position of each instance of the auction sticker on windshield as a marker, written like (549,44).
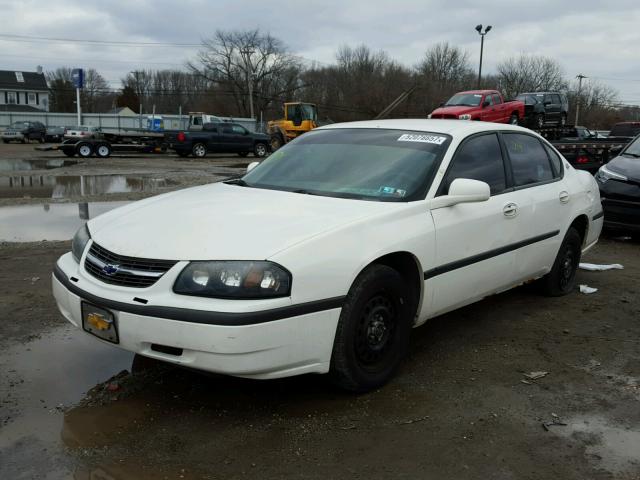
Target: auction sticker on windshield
(412,137)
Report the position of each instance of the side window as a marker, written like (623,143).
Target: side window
(479,158)
(488,99)
(529,160)
(556,98)
(496,100)
(227,129)
(239,130)
(556,161)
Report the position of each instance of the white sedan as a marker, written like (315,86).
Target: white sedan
(325,255)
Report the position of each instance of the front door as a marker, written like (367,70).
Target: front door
(474,241)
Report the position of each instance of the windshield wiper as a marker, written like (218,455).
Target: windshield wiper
(236,181)
(634,155)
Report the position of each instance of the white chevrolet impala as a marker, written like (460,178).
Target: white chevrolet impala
(323,257)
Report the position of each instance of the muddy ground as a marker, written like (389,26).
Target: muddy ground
(457,409)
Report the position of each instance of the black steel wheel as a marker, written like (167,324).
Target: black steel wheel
(372,336)
(561,279)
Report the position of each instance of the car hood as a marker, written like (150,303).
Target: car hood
(224,222)
(627,166)
(454,110)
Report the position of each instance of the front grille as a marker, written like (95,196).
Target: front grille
(124,271)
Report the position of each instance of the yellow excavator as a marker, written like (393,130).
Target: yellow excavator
(298,118)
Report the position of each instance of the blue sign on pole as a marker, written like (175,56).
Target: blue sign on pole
(78,77)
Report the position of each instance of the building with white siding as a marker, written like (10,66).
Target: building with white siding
(23,91)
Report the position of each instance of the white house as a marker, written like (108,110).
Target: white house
(23,91)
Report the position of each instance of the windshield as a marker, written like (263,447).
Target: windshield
(633,149)
(464,99)
(370,164)
(301,112)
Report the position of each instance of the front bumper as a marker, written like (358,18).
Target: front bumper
(12,136)
(621,214)
(270,349)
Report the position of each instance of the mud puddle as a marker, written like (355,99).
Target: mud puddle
(17,165)
(55,221)
(41,379)
(615,448)
(66,186)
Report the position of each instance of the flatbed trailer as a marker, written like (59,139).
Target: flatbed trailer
(129,141)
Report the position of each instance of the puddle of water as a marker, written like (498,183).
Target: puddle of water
(9,165)
(43,377)
(65,186)
(56,221)
(617,448)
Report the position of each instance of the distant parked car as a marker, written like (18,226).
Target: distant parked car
(618,181)
(219,138)
(484,105)
(545,107)
(82,132)
(54,134)
(24,132)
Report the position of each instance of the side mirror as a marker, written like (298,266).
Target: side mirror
(441,104)
(462,190)
(485,104)
(252,165)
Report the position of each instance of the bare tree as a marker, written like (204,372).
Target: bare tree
(95,95)
(444,70)
(598,103)
(528,73)
(248,64)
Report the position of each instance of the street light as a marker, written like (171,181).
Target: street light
(482,34)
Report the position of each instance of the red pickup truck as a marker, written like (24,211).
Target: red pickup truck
(485,105)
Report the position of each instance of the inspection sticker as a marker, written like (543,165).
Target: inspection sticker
(412,137)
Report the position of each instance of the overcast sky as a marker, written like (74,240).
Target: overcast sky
(597,38)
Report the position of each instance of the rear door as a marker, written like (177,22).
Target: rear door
(543,201)
(552,107)
(500,107)
(244,140)
(474,241)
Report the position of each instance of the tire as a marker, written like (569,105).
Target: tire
(25,139)
(5,140)
(42,139)
(276,141)
(260,150)
(563,120)
(373,332)
(562,278)
(84,149)
(199,150)
(103,150)
(513,119)
(243,154)
(539,120)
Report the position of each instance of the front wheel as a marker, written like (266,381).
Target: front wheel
(260,150)
(539,121)
(562,278)
(84,149)
(199,150)
(513,119)
(372,336)
(563,120)
(276,141)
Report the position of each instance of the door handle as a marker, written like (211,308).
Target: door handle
(564,196)
(510,210)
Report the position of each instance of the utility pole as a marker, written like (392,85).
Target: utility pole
(482,34)
(578,97)
(246,55)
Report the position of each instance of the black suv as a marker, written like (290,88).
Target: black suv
(541,108)
(24,132)
(220,137)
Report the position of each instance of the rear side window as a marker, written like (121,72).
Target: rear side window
(488,99)
(479,158)
(556,161)
(529,160)
(496,99)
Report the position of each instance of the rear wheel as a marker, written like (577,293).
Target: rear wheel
(563,120)
(276,141)
(103,150)
(84,149)
(539,120)
(372,336)
(513,119)
(562,278)
(199,150)
(260,150)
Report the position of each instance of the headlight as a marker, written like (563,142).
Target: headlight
(605,174)
(234,279)
(466,116)
(79,242)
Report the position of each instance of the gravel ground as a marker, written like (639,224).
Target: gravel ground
(461,406)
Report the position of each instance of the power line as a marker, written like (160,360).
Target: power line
(30,39)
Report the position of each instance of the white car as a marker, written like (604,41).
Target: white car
(324,256)
(82,132)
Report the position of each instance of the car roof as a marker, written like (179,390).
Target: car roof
(479,92)
(449,127)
